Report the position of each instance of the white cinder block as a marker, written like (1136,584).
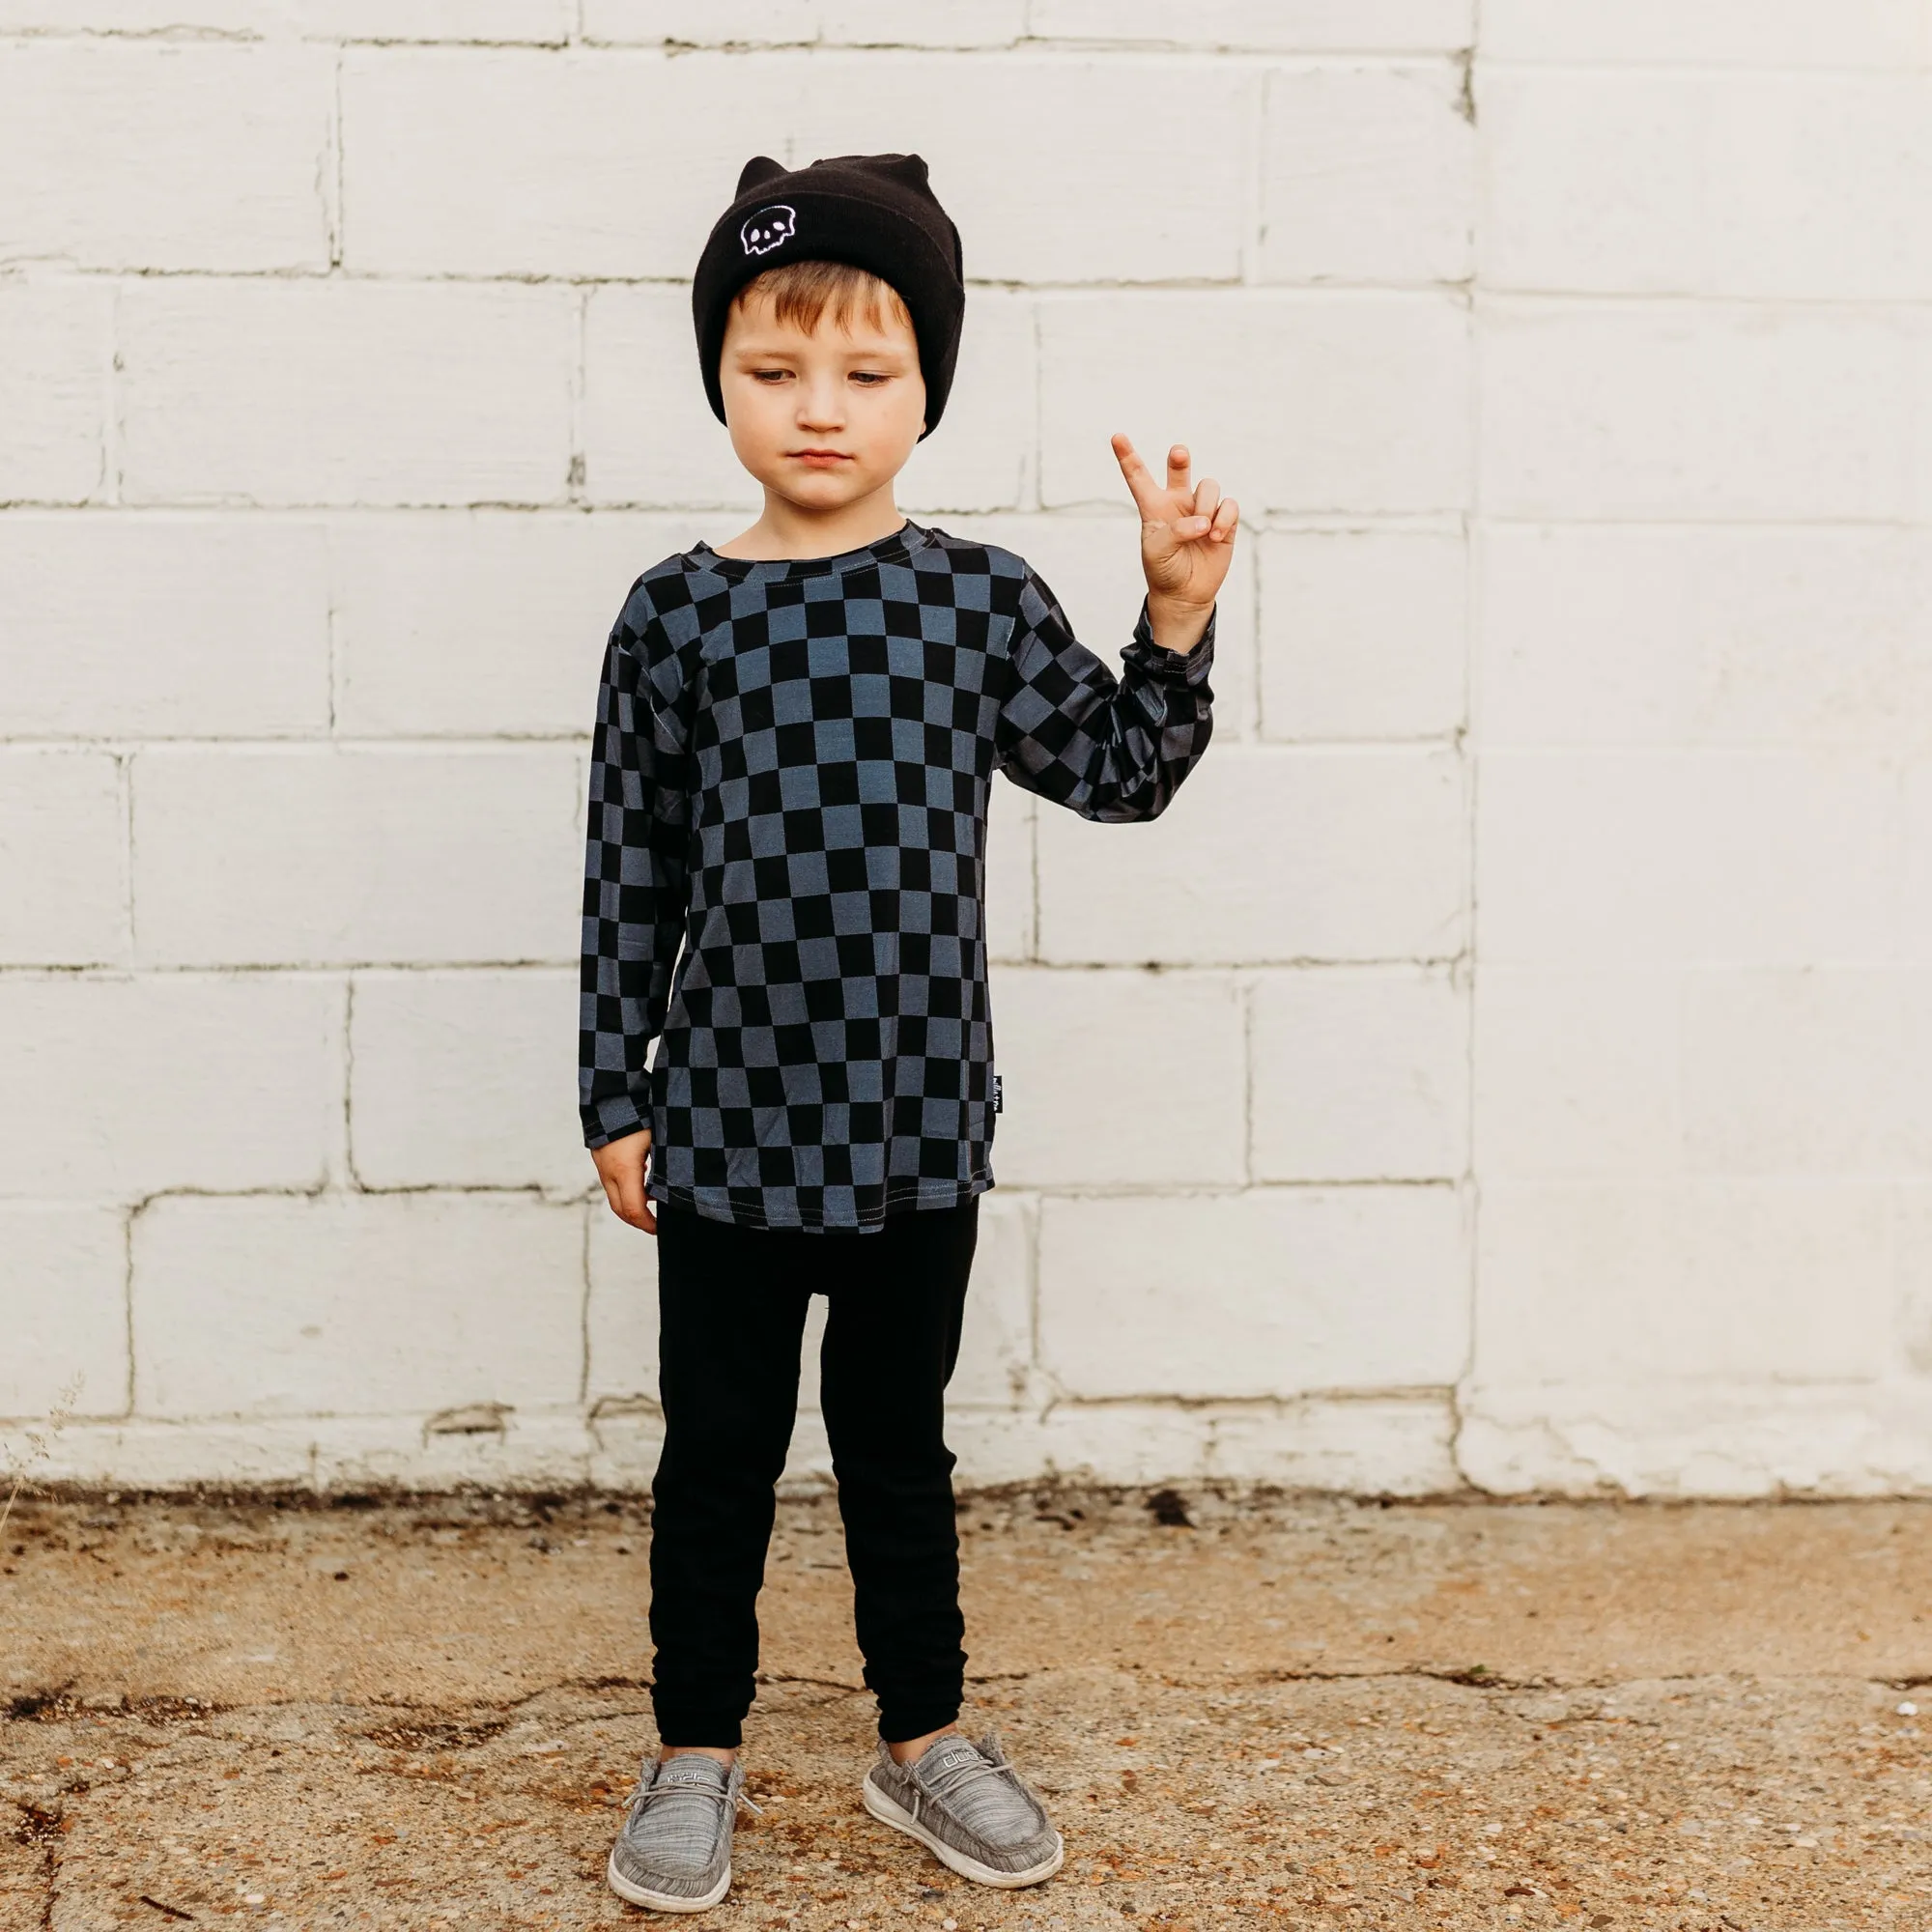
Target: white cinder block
(1818,1071)
(995,1363)
(355,1304)
(62,859)
(1274,1292)
(482,623)
(1360,1076)
(118,1088)
(1267,855)
(1010,873)
(1704,635)
(985,452)
(1731,858)
(1781,1280)
(63,1310)
(151,155)
(1119,1078)
(622,1317)
(1912,1220)
(56,343)
(346,393)
(493,161)
(1917,910)
(1576,1072)
(357,857)
(1367,175)
(1091,562)
(1762,185)
(1747,33)
(649,435)
(1364,634)
(1032,154)
(1273,26)
(158,627)
(1364,396)
(465,1080)
(1664,411)
(522,162)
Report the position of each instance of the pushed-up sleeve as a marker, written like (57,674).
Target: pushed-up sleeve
(1110,749)
(635,880)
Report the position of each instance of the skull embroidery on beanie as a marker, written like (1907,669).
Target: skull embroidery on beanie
(763,231)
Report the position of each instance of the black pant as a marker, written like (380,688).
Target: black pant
(732,1305)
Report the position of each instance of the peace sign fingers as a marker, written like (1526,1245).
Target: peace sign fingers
(1146,492)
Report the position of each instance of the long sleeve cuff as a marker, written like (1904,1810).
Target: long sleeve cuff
(611,1119)
(1172,666)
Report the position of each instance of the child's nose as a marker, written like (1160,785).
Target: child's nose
(820,406)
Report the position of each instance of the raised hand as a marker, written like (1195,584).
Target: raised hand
(1187,539)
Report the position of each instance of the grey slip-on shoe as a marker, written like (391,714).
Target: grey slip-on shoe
(673,1851)
(969,1807)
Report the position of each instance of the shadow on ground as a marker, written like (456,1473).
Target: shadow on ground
(1259,1711)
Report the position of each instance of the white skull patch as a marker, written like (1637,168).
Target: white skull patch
(763,231)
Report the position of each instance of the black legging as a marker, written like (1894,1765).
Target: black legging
(732,1304)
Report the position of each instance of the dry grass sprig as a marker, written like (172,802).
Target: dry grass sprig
(15,1463)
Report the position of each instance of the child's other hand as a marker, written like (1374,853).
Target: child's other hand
(1187,538)
(620,1167)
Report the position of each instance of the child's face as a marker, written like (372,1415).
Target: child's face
(826,418)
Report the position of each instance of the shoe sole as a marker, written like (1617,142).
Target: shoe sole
(662,1901)
(887,1812)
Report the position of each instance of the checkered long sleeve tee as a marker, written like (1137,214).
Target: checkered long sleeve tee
(784,884)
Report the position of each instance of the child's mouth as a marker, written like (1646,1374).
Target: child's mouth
(822,459)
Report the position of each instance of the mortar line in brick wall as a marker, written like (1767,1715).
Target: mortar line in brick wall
(1257,521)
(576,468)
(1094,285)
(350,1179)
(560,963)
(458,742)
(1234,1190)
(110,413)
(1415,1392)
(332,199)
(107,972)
(1471,616)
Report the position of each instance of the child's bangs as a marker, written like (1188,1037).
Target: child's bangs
(802,293)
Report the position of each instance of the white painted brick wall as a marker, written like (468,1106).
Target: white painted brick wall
(1505,1063)
(153,627)
(155,154)
(56,356)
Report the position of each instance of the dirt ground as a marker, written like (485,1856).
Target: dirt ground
(426,1713)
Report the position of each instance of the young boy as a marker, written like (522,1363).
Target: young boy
(796,736)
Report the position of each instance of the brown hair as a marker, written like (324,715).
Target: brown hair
(801,291)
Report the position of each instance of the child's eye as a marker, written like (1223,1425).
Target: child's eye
(872,378)
(770,375)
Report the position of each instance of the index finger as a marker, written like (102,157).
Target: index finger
(1140,479)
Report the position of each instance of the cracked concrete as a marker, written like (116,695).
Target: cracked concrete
(425,1712)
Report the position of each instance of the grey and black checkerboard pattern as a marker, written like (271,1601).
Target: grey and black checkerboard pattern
(786,880)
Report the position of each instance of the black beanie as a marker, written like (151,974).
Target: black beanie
(876,212)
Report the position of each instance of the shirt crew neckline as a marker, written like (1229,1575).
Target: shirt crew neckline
(888,548)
